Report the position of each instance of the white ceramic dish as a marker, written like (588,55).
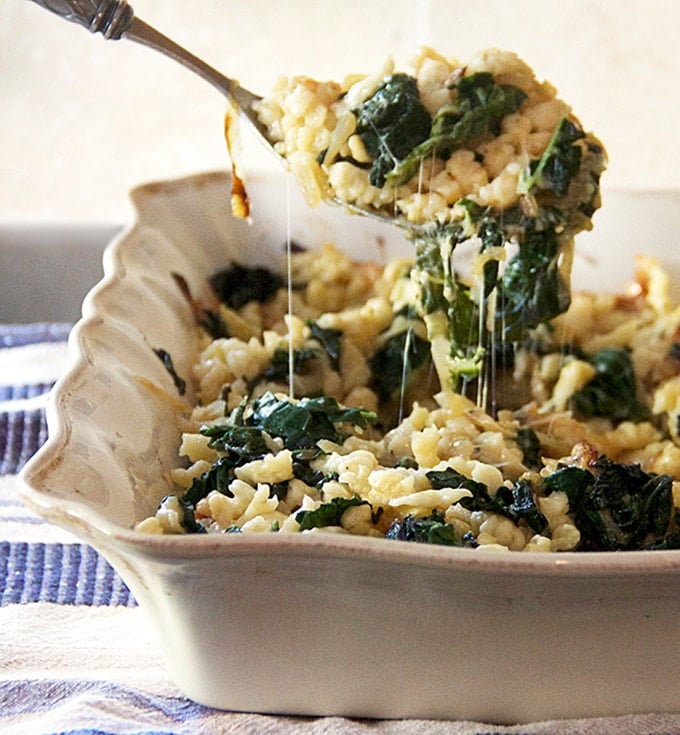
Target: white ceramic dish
(316,625)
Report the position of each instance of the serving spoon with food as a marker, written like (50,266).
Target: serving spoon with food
(115,19)
(441,176)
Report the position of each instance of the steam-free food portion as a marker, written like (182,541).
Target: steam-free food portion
(480,155)
(463,395)
(414,143)
(330,418)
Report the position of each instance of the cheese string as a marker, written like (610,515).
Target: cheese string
(289,279)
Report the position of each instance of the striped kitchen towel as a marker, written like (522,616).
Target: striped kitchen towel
(38,563)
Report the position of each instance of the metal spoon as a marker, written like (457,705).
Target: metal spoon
(115,19)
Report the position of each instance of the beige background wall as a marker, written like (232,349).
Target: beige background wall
(83,119)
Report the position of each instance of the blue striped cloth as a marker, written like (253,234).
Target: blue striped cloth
(21,432)
(66,574)
(33,571)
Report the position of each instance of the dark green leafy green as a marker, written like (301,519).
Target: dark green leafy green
(245,438)
(238,284)
(213,324)
(303,358)
(306,422)
(532,289)
(442,291)
(613,390)
(530,292)
(462,317)
(516,503)
(618,507)
(523,506)
(528,442)
(432,529)
(240,441)
(208,319)
(440,479)
(391,123)
(166,359)
(395,364)
(429,263)
(331,341)
(188,519)
(217,478)
(479,108)
(559,163)
(302,469)
(327,514)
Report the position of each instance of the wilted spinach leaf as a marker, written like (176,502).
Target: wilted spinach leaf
(523,506)
(442,291)
(327,514)
(478,110)
(238,284)
(395,363)
(559,163)
(217,478)
(432,529)
(440,479)
(391,123)
(188,519)
(165,358)
(528,442)
(613,390)
(309,420)
(242,441)
(213,324)
(532,290)
(331,340)
(209,320)
(514,503)
(618,507)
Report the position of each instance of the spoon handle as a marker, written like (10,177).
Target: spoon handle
(115,19)
(111,18)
